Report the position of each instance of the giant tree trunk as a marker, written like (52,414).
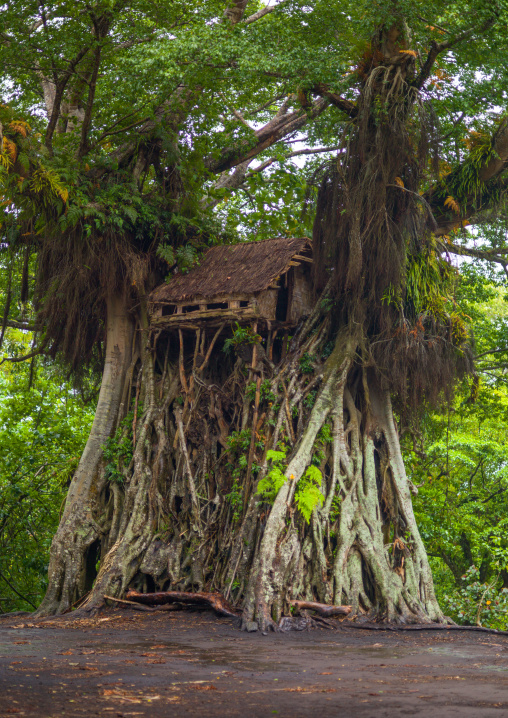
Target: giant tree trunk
(187,516)
(74,550)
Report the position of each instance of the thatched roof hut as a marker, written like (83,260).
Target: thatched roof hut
(267,280)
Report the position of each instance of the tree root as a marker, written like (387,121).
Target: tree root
(295,623)
(421,627)
(322,608)
(213,600)
(324,622)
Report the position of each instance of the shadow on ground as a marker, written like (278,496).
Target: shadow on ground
(123,663)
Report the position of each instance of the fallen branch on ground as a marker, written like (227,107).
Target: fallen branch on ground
(322,608)
(141,607)
(213,600)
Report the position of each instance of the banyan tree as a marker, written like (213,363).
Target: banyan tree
(246,439)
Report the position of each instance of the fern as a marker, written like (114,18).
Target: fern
(47,184)
(20,127)
(167,253)
(24,161)
(275,456)
(269,487)
(130,213)
(452,204)
(241,335)
(186,257)
(308,494)
(9,148)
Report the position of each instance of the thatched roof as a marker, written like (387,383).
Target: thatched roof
(234,269)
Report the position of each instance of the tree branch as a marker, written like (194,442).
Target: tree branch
(21,325)
(452,248)
(132,43)
(172,112)
(491,351)
(265,137)
(265,105)
(87,120)
(493,167)
(25,357)
(16,591)
(259,14)
(58,97)
(439,47)
(296,153)
(496,493)
(345,105)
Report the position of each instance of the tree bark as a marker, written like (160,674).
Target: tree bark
(78,528)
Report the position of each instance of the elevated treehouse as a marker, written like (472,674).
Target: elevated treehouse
(266,284)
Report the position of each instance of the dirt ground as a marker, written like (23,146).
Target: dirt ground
(125,663)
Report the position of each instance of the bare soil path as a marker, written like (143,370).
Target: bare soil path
(125,663)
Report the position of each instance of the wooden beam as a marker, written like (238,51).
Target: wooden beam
(189,317)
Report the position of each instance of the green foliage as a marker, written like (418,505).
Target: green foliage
(306,363)
(328,349)
(239,441)
(241,335)
(458,460)
(465,185)
(335,508)
(184,257)
(235,498)
(308,492)
(325,435)
(119,449)
(310,399)
(43,429)
(477,602)
(430,288)
(276,456)
(269,487)
(238,447)
(428,278)
(167,253)
(323,438)
(266,394)
(307,495)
